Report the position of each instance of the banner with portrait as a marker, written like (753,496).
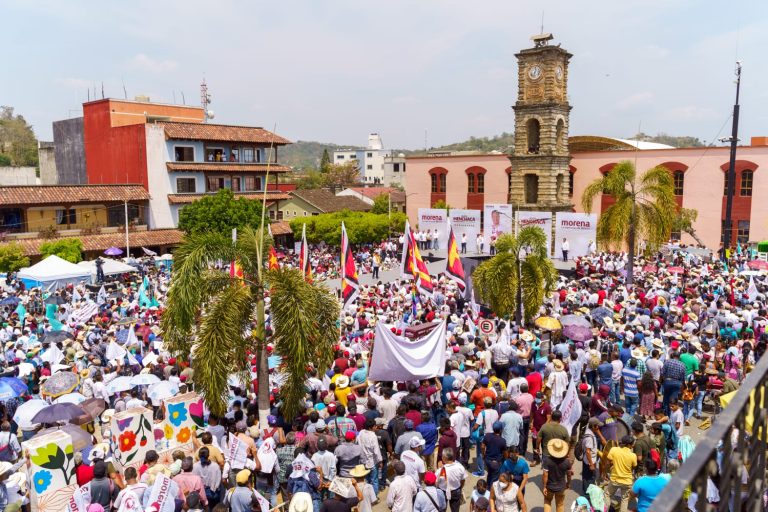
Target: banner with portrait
(497,219)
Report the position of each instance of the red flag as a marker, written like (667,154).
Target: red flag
(304,265)
(272,263)
(349,282)
(453,265)
(417,266)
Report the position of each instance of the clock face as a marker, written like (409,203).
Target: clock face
(559,72)
(534,73)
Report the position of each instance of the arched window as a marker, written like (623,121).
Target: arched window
(745,188)
(438,179)
(471,183)
(434,182)
(679,182)
(572,171)
(531,188)
(560,135)
(532,128)
(481,183)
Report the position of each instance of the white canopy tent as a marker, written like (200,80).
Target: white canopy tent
(110,267)
(53,273)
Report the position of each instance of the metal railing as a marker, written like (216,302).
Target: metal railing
(736,470)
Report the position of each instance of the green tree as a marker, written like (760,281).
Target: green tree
(441,204)
(220,213)
(311,180)
(12,257)
(519,277)
(381,204)
(341,176)
(684,221)
(217,319)
(361,227)
(325,161)
(17,140)
(70,249)
(645,208)
(5,160)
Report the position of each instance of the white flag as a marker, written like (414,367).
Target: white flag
(115,352)
(76,297)
(131,339)
(53,355)
(752,290)
(80,499)
(130,502)
(102,297)
(570,408)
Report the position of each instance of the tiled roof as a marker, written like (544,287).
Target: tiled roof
(280,228)
(221,133)
(191,198)
(70,194)
(326,202)
(224,167)
(154,237)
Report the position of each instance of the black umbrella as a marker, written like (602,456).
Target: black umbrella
(94,406)
(56,336)
(54,299)
(58,412)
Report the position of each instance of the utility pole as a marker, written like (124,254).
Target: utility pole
(127,242)
(728,228)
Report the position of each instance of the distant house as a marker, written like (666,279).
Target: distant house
(369,194)
(305,203)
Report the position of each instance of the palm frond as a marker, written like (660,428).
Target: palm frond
(533,240)
(593,190)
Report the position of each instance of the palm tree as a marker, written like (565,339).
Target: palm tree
(645,208)
(216,319)
(519,277)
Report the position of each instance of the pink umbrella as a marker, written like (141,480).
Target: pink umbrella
(650,268)
(675,270)
(758,265)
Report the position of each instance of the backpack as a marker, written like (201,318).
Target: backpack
(578,450)
(7,453)
(477,434)
(594,361)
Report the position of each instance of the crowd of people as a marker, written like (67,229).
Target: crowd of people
(658,356)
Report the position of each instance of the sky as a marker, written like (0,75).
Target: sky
(444,70)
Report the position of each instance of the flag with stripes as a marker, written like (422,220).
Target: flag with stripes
(350,285)
(304,265)
(453,266)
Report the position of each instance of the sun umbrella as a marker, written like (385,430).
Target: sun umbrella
(113,251)
(70,398)
(25,412)
(600,312)
(10,301)
(7,391)
(56,336)
(119,384)
(675,270)
(162,390)
(18,385)
(25,369)
(578,333)
(548,323)
(94,406)
(758,265)
(144,379)
(650,268)
(80,438)
(54,299)
(575,320)
(56,368)
(60,384)
(58,412)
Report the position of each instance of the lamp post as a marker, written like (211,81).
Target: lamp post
(734,140)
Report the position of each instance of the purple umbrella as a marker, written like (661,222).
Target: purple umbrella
(578,333)
(113,251)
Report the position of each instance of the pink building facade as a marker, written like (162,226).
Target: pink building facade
(470,181)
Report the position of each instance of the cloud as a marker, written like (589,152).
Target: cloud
(74,83)
(635,100)
(692,113)
(144,62)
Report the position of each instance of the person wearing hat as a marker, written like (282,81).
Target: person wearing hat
(620,465)
(430,498)
(493,448)
(556,474)
(239,497)
(549,431)
(557,382)
(589,448)
(348,454)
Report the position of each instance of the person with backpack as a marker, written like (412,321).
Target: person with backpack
(10,449)
(587,450)
(430,498)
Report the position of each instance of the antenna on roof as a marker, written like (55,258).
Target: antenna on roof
(205,100)
(102,90)
(125,91)
(542,22)
(183,99)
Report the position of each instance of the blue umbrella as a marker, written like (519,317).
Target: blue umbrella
(17,385)
(7,391)
(9,301)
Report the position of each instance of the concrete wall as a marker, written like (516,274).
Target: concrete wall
(86,216)
(46,154)
(10,176)
(159,180)
(69,142)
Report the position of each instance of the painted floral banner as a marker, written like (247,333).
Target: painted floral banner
(51,471)
(132,437)
(183,417)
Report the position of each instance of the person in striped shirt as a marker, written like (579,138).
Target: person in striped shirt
(631,378)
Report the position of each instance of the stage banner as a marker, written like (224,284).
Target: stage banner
(497,219)
(578,229)
(431,219)
(541,220)
(466,222)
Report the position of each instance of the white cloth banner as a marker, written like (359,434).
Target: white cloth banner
(541,220)
(466,222)
(497,220)
(163,494)
(101,298)
(238,452)
(80,499)
(84,313)
(397,358)
(431,219)
(752,290)
(570,407)
(130,502)
(578,229)
(131,339)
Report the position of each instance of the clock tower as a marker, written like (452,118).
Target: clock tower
(540,175)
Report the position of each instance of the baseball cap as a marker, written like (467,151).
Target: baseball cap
(350,435)
(320,425)
(415,442)
(380,421)
(430,478)
(583,387)
(243,476)
(408,424)
(595,422)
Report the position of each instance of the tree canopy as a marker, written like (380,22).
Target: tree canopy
(12,257)
(381,204)
(70,249)
(220,213)
(361,227)
(18,144)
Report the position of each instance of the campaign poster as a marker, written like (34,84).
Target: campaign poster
(466,222)
(431,219)
(541,220)
(578,229)
(497,219)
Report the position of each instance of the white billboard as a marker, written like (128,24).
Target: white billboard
(578,229)
(497,219)
(466,222)
(431,219)
(541,220)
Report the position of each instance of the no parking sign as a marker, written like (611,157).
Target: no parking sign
(485,326)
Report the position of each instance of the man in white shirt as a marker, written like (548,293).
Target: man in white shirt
(451,478)
(463,243)
(461,420)
(565,247)
(480,243)
(402,490)
(414,464)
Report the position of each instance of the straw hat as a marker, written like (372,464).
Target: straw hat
(342,382)
(662,301)
(608,321)
(301,502)
(359,471)
(657,343)
(558,364)
(637,354)
(526,336)
(692,317)
(557,448)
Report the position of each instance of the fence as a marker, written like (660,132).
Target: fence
(730,460)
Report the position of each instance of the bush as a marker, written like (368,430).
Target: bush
(221,213)
(12,257)
(70,249)
(361,227)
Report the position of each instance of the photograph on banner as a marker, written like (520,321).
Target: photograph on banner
(497,219)
(466,222)
(578,228)
(431,219)
(541,220)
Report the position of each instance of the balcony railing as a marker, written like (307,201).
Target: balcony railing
(722,465)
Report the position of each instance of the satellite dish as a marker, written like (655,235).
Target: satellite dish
(210,114)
